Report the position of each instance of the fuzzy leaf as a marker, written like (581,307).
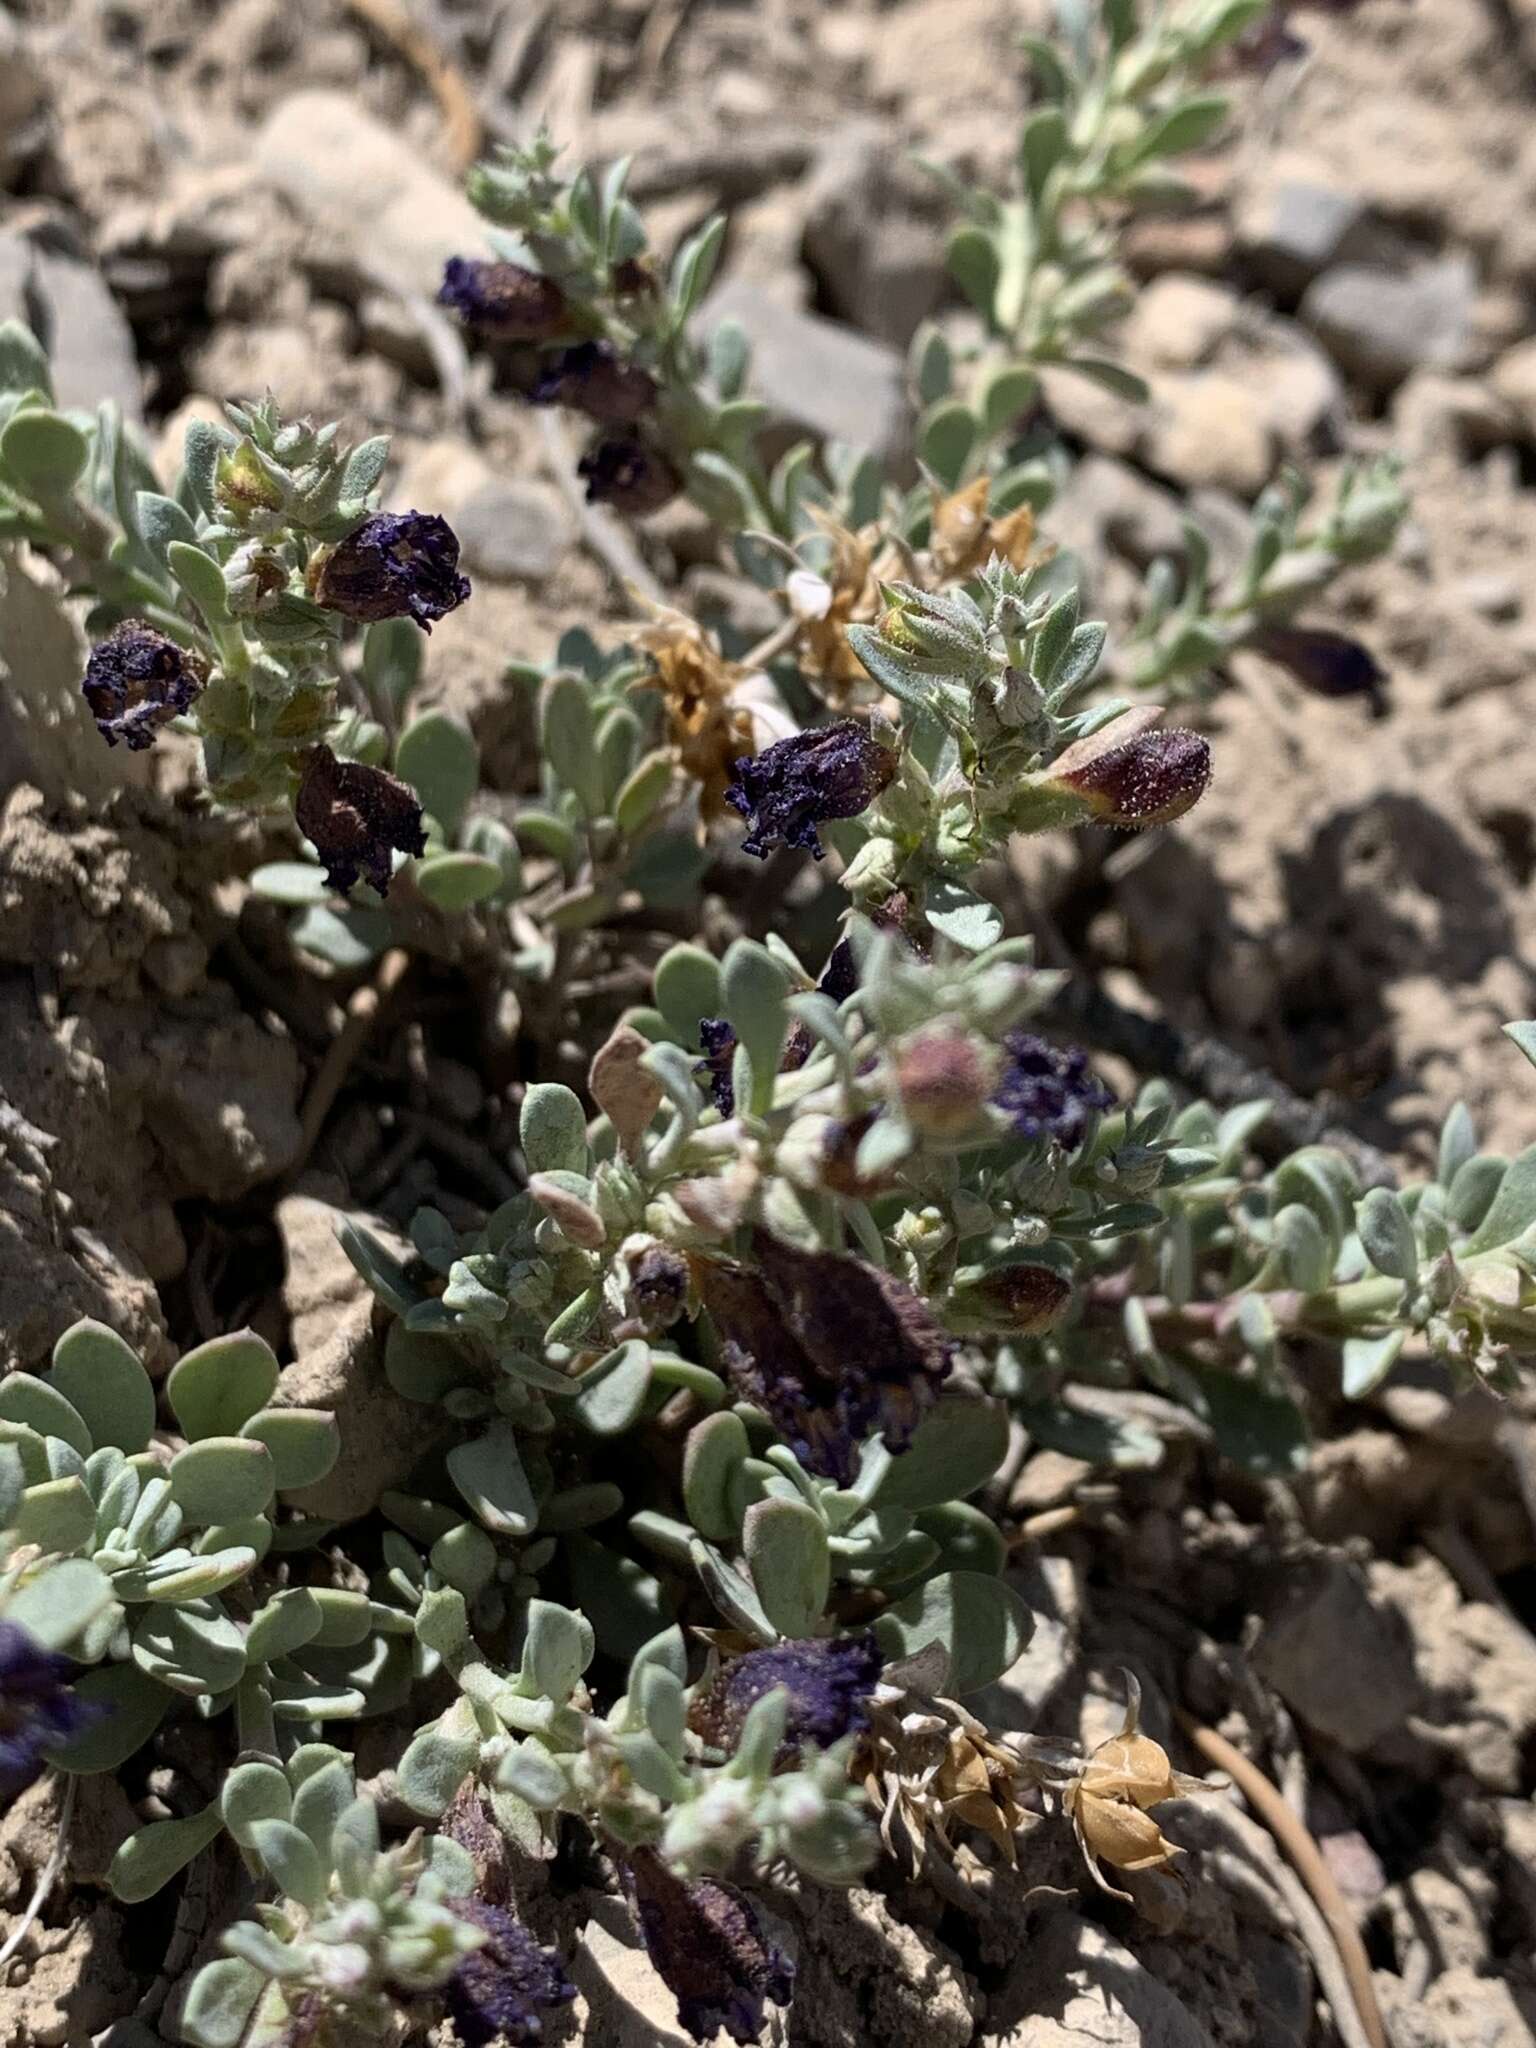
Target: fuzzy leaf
(955,1449)
(553,1130)
(58,1603)
(1510,1215)
(438,757)
(303,1443)
(44,452)
(754,989)
(193,1648)
(252,1792)
(457,881)
(292,1859)
(557,1649)
(716,1451)
(1386,1233)
(133,1708)
(785,1543)
(58,1516)
(981,1622)
(687,984)
(489,1473)
(151,1856)
(435,1764)
(221,1479)
(612,1393)
(1367,1361)
(37,1405)
(220,2003)
(221,1384)
(102,1379)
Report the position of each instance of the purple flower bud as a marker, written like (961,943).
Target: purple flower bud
(37,1708)
(1146,778)
(829,1347)
(138,680)
(784,793)
(505,1987)
(355,817)
(629,474)
(592,377)
(395,565)
(828,1678)
(1048,1091)
(709,1950)
(503,301)
(1331,664)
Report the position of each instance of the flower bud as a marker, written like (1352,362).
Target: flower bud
(1329,664)
(944,1076)
(592,377)
(392,566)
(627,473)
(503,301)
(1131,777)
(136,681)
(242,484)
(1022,1300)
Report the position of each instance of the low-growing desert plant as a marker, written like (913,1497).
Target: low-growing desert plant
(705,1548)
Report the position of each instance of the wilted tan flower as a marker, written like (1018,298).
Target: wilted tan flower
(963,538)
(930,1767)
(826,602)
(710,729)
(1111,1797)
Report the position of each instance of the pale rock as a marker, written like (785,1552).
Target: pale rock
(23,96)
(48,286)
(1513,379)
(1105,503)
(1473,2011)
(1290,229)
(817,378)
(340,1367)
(1456,417)
(1089,413)
(1379,325)
(1178,322)
(878,265)
(1206,428)
(1077,1987)
(514,529)
(361,183)
(1338,1657)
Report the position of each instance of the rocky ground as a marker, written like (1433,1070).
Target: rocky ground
(198,201)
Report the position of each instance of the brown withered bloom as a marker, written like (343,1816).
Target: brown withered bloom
(964,537)
(503,301)
(705,723)
(788,790)
(1131,776)
(591,377)
(628,473)
(137,680)
(395,565)
(1111,1799)
(831,1348)
(1021,1299)
(709,1949)
(931,1768)
(356,816)
(845,593)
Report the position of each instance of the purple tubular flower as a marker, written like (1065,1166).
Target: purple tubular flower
(395,565)
(828,1678)
(503,301)
(709,1950)
(1049,1092)
(592,377)
(138,680)
(829,1347)
(718,1041)
(629,474)
(356,816)
(789,789)
(504,1988)
(1331,664)
(1149,778)
(37,1708)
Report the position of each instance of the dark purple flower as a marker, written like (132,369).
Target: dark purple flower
(629,474)
(504,301)
(719,1044)
(709,1950)
(138,680)
(395,565)
(828,1678)
(785,792)
(1143,778)
(592,377)
(1330,664)
(356,816)
(504,1988)
(1048,1091)
(37,1709)
(829,1347)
